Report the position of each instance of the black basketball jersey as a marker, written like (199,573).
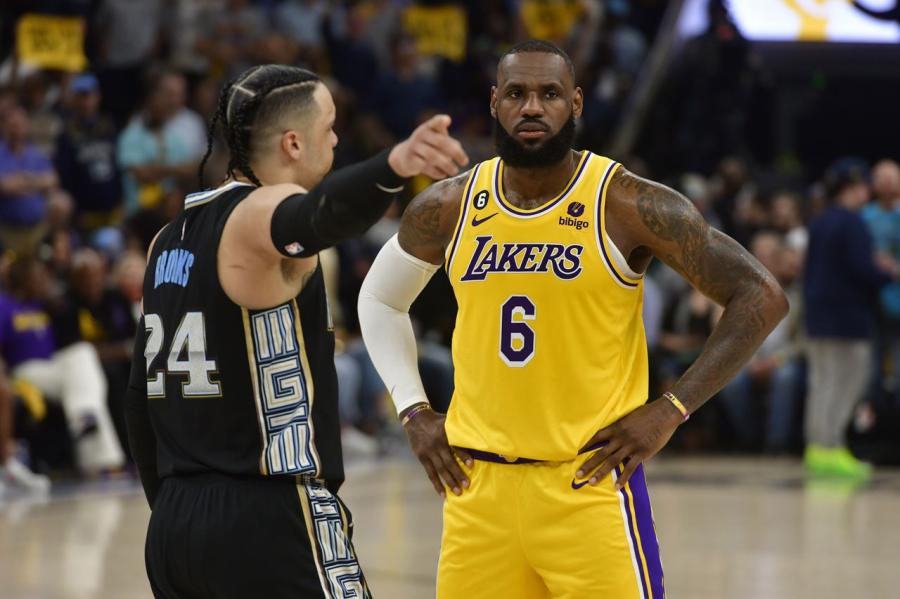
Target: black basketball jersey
(232,390)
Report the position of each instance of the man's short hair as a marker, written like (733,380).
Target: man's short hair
(541,46)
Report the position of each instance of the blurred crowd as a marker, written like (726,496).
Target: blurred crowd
(94,161)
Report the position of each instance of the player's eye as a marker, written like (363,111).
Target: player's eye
(552,94)
(514,93)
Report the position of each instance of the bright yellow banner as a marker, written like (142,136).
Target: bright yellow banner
(551,19)
(51,42)
(439,30)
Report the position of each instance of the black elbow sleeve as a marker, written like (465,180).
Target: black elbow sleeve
(344,205)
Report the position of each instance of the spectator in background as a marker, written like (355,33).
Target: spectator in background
(39,99)
(733,193)
(842,280)
(72,375)
(128,279)
(27,178)
(231,37)
(184,123)
(697,189)
(126,37)
(353,60)
(401,98)
(153,153)
(301,22)
(882,216)
(86,157)
(787,219)
(13,473)
(687,324)
(381,23)
(773,374)
(101,316)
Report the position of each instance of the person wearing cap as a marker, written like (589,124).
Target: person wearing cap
(840,292)
(86,157)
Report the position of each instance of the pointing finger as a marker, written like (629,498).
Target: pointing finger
(439,123)
(448,146)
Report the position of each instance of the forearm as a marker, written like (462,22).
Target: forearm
(748,319)
(394,281)
(344,205)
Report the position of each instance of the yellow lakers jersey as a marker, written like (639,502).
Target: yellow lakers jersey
(549,343)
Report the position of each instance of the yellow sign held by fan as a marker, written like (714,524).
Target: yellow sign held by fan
(51,42)
(438,30)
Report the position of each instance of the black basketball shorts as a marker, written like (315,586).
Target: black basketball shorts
(218,536)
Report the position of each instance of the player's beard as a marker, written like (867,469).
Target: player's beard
(516,154)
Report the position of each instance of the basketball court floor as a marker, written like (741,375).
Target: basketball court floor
(729,528)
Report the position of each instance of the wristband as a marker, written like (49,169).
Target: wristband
(678,405)
(409,415)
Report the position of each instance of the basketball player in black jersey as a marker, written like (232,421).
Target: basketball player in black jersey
(232,405)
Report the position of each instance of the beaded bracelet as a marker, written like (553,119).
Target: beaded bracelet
(415,410)
(678,405)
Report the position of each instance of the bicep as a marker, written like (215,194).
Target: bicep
(674,231)
(428,222)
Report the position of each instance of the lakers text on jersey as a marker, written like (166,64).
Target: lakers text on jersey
(549,343)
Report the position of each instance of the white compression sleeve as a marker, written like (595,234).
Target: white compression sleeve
(394,282)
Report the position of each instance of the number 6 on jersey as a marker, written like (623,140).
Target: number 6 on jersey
(516,337)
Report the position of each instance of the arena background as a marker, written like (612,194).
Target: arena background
(751,108)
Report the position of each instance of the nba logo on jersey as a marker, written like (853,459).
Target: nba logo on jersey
(293,249)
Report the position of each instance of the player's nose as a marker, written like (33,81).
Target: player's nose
(532,105)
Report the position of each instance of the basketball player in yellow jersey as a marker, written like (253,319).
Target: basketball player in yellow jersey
(550,421)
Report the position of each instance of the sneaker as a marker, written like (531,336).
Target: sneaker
(816,460)
(845,464)
(17,474)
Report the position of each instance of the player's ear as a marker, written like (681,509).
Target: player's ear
(577,102)
(292,144)
(494,101)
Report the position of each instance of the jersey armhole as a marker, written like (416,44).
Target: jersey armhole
(461,219)
(613,259)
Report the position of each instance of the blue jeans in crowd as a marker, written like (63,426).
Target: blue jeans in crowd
(784,393)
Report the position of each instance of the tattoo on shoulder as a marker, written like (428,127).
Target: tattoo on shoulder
(425,216)
(671,217)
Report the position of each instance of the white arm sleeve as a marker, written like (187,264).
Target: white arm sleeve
(395,280)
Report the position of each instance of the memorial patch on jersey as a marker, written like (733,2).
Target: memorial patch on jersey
(562,260)
(173,266)
(283,392)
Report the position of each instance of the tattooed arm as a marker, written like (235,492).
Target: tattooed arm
(400,272)
(671,229)
(429,220)
(649,220)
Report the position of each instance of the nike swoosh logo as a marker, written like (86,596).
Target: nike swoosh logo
(476,221)
(576,485)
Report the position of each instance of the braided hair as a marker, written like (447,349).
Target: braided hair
(252,105)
